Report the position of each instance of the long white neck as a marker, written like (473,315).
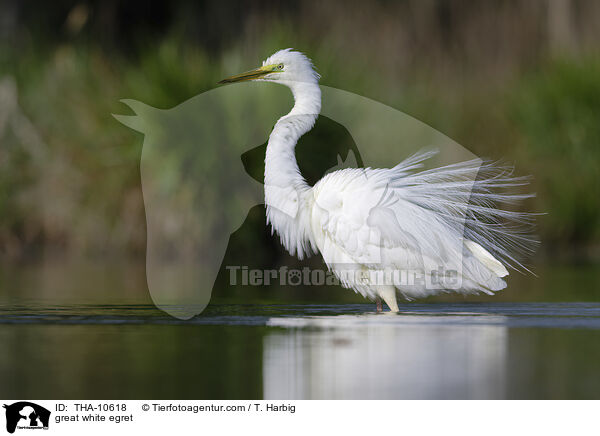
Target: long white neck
(287,195)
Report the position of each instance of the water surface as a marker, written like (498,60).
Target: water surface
(293,351)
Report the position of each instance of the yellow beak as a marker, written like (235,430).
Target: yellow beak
(251,75)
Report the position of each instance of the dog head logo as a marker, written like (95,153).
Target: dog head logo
(26,415)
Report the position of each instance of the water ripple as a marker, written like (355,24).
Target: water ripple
(545,315)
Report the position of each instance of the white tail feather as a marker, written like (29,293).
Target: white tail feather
(468,197)
(486,258)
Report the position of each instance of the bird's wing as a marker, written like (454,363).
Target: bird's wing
(399,218)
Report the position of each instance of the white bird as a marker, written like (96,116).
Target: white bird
(384,231)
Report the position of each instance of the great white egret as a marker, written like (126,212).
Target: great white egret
(376,222)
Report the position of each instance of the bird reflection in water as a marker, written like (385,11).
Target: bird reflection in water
(385,357)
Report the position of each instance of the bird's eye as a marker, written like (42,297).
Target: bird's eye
(280,66)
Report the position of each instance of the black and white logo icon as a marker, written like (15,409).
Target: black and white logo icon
(26,415)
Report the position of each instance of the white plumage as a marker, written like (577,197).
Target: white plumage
(383,231)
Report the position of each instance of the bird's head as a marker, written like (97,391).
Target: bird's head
(285,66)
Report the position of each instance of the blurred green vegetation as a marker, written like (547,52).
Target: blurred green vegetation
(556,114)
(69,172)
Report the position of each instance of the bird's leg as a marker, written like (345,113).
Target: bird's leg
(388,294)
(379,304)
